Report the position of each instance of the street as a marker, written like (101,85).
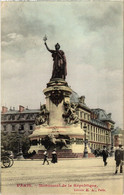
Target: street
(68,176)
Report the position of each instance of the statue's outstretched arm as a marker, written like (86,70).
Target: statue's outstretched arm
(48,48)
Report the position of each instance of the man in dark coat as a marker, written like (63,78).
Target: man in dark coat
(105,155)
(119,158)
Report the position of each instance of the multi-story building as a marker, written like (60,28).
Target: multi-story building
(15,120)
(98,124)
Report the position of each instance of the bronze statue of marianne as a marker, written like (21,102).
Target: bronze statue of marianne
(59,62)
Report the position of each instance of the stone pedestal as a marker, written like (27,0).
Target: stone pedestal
(56,93)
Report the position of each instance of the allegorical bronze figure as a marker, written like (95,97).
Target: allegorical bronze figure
(70,115)
(43,116)
(59,61)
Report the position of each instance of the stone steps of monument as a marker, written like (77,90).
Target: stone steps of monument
(65,153)
(58,151)
(71,155)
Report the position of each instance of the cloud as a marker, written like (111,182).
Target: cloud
(28,20)
(101,16)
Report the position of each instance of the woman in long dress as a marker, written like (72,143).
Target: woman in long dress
(54,157)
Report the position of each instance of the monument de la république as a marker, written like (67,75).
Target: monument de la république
(57,126)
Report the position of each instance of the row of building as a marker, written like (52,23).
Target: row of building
(99,126)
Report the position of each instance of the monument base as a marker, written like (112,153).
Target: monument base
(74,147)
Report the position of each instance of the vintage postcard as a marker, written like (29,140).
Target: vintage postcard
(62,97)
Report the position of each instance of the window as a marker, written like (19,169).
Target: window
(28,117)
(17,117)
(13,127)
(31,127)
(91,136)
(3,117)
(13,117)
(81,125)
(9,117)
(21,127)
(77,112)
(21,116)
(4,127)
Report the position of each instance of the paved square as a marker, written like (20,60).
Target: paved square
(80,176)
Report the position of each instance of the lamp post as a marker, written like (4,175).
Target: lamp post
(106,139)
(112,142)
(85,142)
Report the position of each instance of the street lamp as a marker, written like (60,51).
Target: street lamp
(107,139)
(85,142)
(112,142)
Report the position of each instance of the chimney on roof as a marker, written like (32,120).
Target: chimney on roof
(21,108)
(27,108)
(109,115)
(82,99)
(4,109)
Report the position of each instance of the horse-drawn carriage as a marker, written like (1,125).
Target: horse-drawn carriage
(6,158)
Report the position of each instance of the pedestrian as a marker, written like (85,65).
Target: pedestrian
(119,158)
(45,158)
(105,155)
(54,157)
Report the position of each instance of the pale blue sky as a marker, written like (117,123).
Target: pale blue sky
(90,34)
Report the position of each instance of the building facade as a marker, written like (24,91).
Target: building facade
(15,120)
(98,124)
